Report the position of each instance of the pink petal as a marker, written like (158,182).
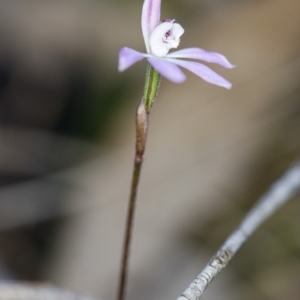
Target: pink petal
(202,71)
(167,69)
(197,53)
(128,57)
(150,19)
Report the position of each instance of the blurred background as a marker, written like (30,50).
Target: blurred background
(67,141)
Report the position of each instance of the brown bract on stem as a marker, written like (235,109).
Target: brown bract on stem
(142,118)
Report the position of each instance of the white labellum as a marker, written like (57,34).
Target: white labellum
(164,37)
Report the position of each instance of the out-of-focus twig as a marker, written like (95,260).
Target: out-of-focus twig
(27,291)
(279,193)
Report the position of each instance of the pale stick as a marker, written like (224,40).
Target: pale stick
(279,193)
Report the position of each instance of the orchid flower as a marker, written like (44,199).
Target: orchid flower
(160,37)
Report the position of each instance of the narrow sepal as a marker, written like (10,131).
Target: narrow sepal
(167,69)
(150,19)
(202,71)
(197,53)
(128,57)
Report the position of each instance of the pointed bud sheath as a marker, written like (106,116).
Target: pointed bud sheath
(141,130)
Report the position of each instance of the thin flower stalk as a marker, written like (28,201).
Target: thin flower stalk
(142,120)
(160,37)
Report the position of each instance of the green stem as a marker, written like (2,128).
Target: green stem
(151,87)
(142,119)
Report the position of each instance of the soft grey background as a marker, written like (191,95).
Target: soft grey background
(67,141)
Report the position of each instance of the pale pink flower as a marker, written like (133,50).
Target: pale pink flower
(159,38)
